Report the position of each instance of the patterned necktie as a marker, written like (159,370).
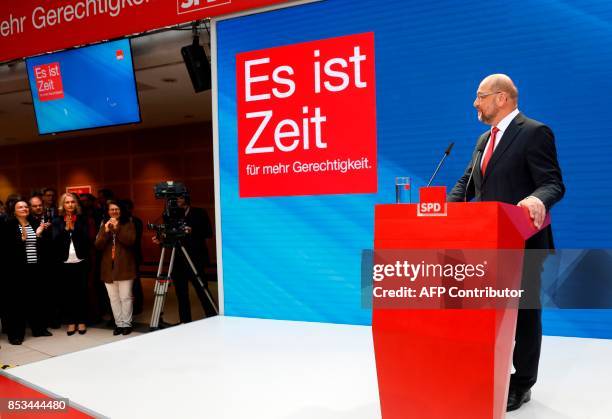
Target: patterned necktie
(487,156)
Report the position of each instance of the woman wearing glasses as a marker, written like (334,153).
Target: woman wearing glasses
(117,242)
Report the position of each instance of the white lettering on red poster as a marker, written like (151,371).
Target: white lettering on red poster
(188,6)
(48,79)
(307,118)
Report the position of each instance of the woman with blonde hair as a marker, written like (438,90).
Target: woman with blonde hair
(72,244)
(116,240)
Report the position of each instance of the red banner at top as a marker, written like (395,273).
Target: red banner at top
(31,27)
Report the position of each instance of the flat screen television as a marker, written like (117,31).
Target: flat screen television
(84,88)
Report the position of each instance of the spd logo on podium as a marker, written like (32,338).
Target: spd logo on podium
(432,202)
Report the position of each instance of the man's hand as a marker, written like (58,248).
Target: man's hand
(40,230)
(537,210)
(155,240)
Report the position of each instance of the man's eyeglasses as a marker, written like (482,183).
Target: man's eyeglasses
(481,96)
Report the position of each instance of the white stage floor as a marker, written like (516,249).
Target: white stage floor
(228,367)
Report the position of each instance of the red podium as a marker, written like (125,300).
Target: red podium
(446,363)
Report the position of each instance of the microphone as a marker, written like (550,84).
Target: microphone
(479,152)
(446,153)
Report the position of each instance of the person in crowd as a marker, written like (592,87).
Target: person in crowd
(2,220)
(47,271)
(11,200)
(198,230)
(104,195)
(37,209)
(43,208)
(72,245)
(23,291)
(518,166)
(116,240)
(89,205)
(98,297)
(101,213)
(139,225)
(49,197)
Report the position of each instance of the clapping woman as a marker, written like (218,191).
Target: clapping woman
(72,244)
(116,240)
(24,292)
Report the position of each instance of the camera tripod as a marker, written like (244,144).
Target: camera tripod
(163,280)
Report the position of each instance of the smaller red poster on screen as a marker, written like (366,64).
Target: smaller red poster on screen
(48,79)
(78,189)
(307,118)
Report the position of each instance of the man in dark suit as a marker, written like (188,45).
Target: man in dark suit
(516,162)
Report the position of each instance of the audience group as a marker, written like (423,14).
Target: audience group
(58,254)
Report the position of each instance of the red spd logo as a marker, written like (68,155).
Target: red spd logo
(432,201)
(307,118)
(188,6)
(48,78)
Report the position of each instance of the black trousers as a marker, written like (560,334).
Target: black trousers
(528,343)
(182,275)
(24,301)
(528,339)
(74,291)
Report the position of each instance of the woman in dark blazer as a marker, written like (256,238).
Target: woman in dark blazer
(117,242)
(23,291)
(71,243)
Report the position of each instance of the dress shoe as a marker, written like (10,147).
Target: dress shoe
(43,332)
(516,398)
(15,341)
(126,331)
(82,329)
(71,332)
(117,331)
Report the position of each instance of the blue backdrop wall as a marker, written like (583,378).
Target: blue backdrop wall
(299,257)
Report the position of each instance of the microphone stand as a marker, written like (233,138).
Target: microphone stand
(446,153)
(479,152)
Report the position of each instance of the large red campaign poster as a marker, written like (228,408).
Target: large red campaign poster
(307,118)
(32,27)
